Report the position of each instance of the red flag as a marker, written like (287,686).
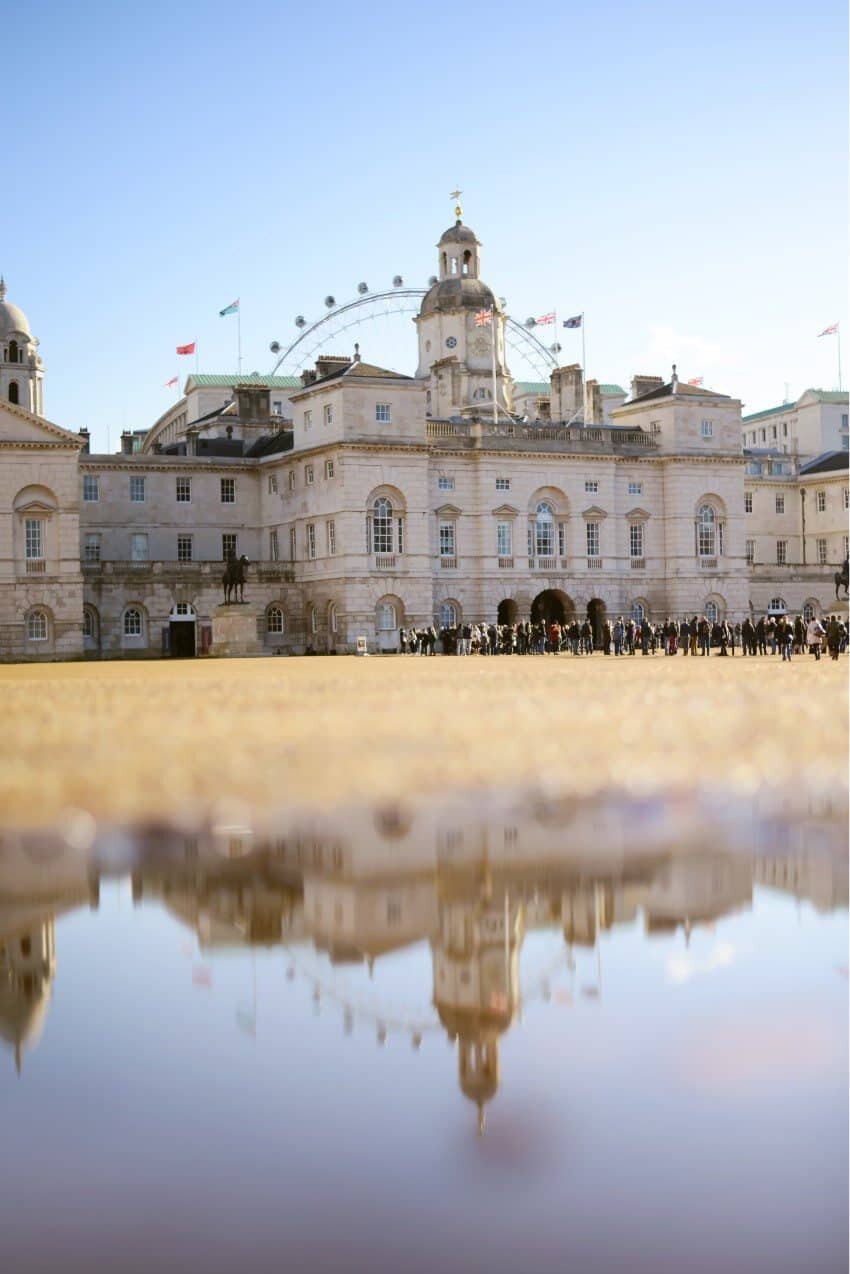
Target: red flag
(186,349)
(546,318)
(829,331)
(169,384)
(697,380)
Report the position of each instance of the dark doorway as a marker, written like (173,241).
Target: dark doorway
(597,613)
(552,607)
(507,612)
(182,636)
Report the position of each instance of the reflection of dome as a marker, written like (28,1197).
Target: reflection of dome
(471,1024)
(23,1008)
(455,294)
(13,321)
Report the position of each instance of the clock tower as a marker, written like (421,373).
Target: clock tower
(455,345)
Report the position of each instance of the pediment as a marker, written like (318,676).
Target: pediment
(506,511)
(36,507)
(19,425)
(638,515)
(448,510)
(594,513)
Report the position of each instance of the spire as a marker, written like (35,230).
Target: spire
(456,194)
(2,288)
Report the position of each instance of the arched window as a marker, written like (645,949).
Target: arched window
(706,531)
(14,396)
(314,620)
(428,398)
(445,263)
(331,617)
(382,525)
(132,622)
(809,612)
(448,615)
(274,620)
(385,617)
(88,624)
(777,606)
(638,612)
(544,534)
(37,626)
(467,258)
(711,612)
(13,353)
(479,394)
(454,265)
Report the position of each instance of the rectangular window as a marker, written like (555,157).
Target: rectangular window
(821,547)
(785,429)
(311,540)
(183,489)
(763,434)
(329,414)
(184,548)
(847,545)
(655,426)
(503,484)
(330,528)
(228,545)
(562,539)
(274,547)
(137,489)
(773,431)
(272,483)
(91,488)
(750,548)
(781,552)
(635,488)
(308,475)
(329,468)
(447,539)
(706,428)
(292,544)
(91,549)
(845,442)
(139,547)
(780,504)
(401,535)
(821,502)
(308,419)
(292,479)
(504,539)
(592,532)
(34,541)
(847,497)
(591,488)
(228,490)
(844,420)
(748,501)
(382,413)
(277,407)
(636,540)
(445,484)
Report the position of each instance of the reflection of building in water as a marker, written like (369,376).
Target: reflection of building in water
(476,974)
(27,965)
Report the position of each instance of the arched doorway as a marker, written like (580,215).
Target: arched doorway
(181,631)
(507,611)
(597,613)
(552,606)
(389,615)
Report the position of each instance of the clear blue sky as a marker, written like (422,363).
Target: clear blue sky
(677,172)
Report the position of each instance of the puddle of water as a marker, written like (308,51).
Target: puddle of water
(599,1036)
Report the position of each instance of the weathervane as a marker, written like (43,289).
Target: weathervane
(456,194)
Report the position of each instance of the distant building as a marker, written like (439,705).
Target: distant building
(815,423)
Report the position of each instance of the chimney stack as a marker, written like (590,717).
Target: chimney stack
(643,384)
(84,434)
(126,442)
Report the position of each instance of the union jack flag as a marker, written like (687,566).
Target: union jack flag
(483,317)
(697,380)
(829,331)
(546,318)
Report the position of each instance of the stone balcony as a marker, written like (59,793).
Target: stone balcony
(508,435)
(262,571)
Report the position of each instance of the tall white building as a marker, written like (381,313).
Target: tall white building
(367,501)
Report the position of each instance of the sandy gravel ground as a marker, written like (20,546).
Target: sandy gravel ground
(154,741)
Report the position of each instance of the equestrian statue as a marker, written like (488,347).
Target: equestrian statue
(842,579)
(233,579)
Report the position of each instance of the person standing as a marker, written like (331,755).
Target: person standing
(833,637)
(704,636)
(814,636)
(787,639)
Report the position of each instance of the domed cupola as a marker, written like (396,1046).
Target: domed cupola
(458,281)
(21,369)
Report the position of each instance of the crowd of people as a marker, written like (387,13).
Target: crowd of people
(783,635)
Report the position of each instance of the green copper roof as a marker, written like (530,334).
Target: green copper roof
(203,381)
(611,389)
(770,411)
(822,396)
(532,386)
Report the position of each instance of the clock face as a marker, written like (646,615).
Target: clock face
(451,341)
(479,346)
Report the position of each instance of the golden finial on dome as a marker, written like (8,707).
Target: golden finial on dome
(456,194)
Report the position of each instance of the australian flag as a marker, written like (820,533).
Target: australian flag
(575,321)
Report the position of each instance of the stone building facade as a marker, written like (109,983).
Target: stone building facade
(367,501)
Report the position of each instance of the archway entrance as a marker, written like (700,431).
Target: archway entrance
(507,612)
(552,606)
(597,613)
(181,631)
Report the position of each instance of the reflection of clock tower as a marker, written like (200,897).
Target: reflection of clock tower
(455,352)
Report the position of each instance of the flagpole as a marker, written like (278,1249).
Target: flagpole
(493,353)
(196,358)
(583,372)
(838,334)
(239,338)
